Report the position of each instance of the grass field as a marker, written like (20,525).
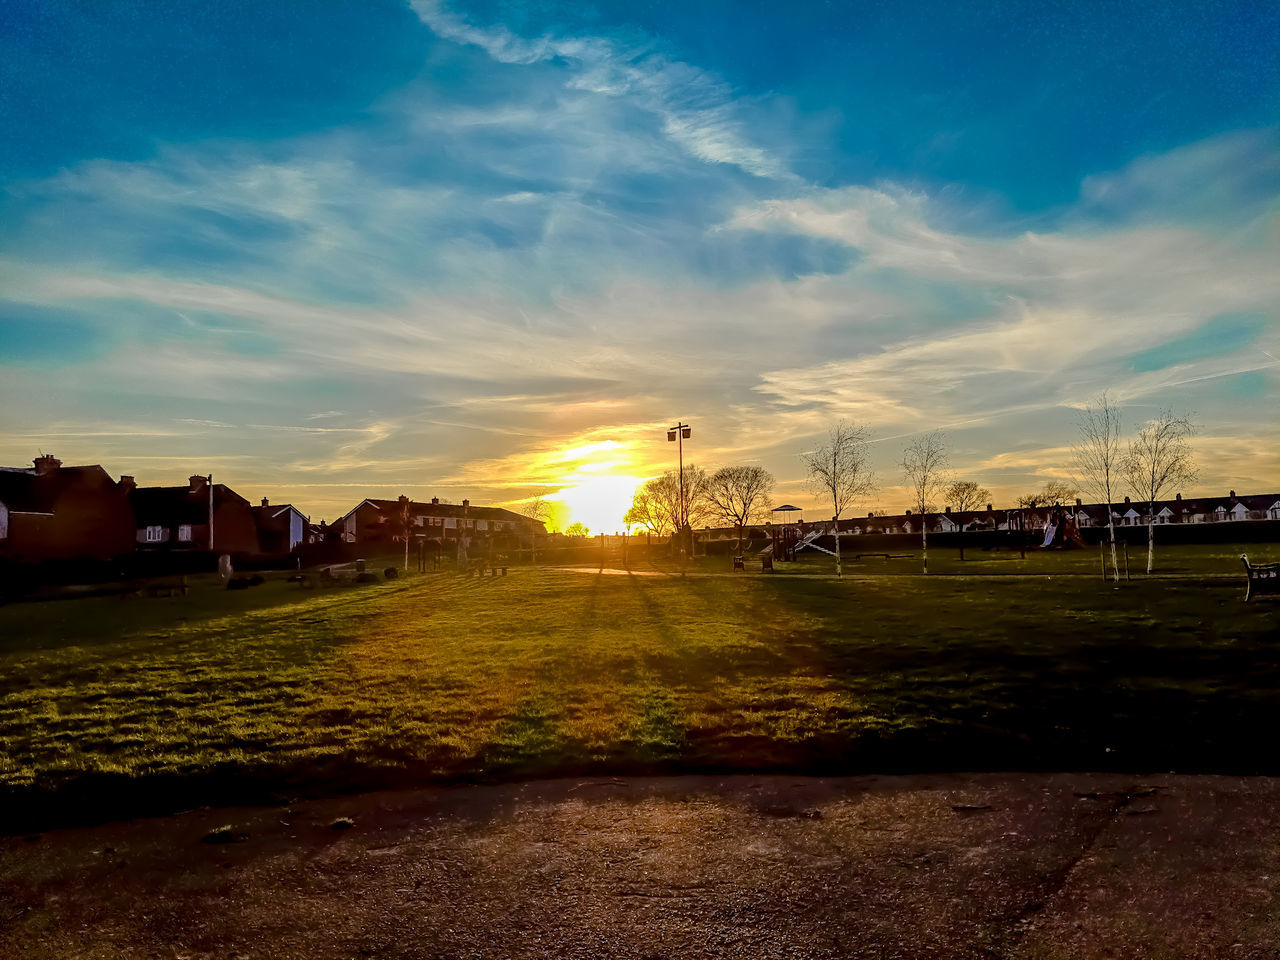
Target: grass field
(109,704)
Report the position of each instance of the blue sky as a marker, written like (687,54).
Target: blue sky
(335,250)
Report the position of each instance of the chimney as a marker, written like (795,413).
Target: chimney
(266,502)
(435,499)
(988,508)
(1233,493)
(46,464)
(128,484)
(467,503)
(870,514)
(197,482)
(908,513)
(1176,496)
(946,510)
(1126,499)
(1077,501)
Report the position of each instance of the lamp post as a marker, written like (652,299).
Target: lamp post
(678,434)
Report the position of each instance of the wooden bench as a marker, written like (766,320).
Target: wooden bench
(1262,579)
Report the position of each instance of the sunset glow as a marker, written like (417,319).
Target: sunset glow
(503,247)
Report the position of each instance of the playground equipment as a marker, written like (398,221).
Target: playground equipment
(1061,532)
(785,529)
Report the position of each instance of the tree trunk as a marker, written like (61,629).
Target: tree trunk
(1151,536)
(1115,561)
(839,571)
(924,542)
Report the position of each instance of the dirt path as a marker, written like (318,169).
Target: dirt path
(994,865)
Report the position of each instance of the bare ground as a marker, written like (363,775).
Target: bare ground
(943,866)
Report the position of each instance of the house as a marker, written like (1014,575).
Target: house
(381,522)
(202,516)
(282,527)
(52,512)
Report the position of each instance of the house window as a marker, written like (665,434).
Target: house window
(450,522)
(155,534)
(481,525)
(184,532)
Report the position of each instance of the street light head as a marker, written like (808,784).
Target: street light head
(671,436)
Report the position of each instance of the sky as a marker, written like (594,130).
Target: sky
(325,251)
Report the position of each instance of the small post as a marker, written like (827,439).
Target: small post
(624,552)
(1102,558)
(1126,559)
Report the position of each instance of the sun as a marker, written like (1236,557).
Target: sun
(598,502)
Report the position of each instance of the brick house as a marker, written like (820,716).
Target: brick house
(179,518)
(282,527)
(52,512)
(380,523)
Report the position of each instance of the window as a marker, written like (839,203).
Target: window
(184,533)
(155,534)
(481,525)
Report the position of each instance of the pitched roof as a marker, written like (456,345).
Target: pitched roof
(391,508)
(23,491)
(178,505)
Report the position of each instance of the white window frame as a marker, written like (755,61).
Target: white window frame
(184,533)
(155,534)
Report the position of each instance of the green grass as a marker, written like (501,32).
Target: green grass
(1170,560)
(215,695)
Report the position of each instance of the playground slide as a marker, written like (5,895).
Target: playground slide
(1049,531)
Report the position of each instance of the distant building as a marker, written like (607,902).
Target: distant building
(179,519)
(282,527)
(381,522)
(52,512)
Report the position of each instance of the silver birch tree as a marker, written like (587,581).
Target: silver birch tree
(1099,459)
(1159,459)
(840,473)
(925,463)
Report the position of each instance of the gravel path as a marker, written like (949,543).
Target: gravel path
(943,866)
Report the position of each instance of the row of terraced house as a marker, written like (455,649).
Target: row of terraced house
(49,511)
(1200,510)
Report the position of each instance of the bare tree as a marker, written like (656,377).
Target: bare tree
(739,495)
(965,495)
(538,511)
(657,503)
(647,510)
(840,474)
(1099,459)
(1058,493)
(925,464)
(1158,459)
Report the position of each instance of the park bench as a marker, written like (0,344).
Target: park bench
(739,564)
(1263,578)
(766,564)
